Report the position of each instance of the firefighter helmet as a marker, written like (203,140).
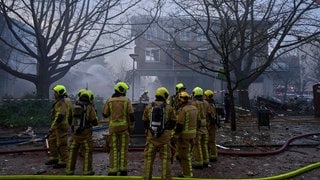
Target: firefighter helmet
(91,95)
(80,92)
(197,91)
(208,93)
(85,95)
(162,92)
(179,87)
(60,89)
(121,87)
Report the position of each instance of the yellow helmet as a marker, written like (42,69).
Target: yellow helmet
(80,92)
(85,95)
(208,93)
(60,90)
(162,92)
(91,95)
(183,97)
(197,91)
(180,86)
(121,87)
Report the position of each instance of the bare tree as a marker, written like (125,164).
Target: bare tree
(243,38)
(56,35)
(310,58)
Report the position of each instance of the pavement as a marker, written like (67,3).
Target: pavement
(249,136)
(251,131)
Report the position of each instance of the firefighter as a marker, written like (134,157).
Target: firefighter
(119,110)
(144,97)
(84,118)
(212,125)
(81,149)
(185,132)
(200,150)
(61,113)
(159,121)
(173,100)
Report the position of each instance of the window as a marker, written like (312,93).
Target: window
(203,53)
(201,37)
(151,33)
(152,55)
(185,35)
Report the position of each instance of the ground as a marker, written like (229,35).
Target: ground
(290,144)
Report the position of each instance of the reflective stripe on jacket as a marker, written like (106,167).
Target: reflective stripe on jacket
(188,118)
(60,107)
(118,110)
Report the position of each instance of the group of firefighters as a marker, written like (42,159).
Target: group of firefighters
(180,126)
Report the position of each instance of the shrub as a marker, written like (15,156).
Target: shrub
(22,113)
(30,111)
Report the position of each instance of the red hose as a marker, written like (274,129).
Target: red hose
(222,152)
(251,153)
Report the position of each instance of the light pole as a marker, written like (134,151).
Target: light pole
(133,56)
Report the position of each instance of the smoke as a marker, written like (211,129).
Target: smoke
(100,80)
(98,77)
(100,74)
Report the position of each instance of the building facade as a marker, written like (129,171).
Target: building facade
(172,56)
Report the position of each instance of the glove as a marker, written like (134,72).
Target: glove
(79,130)
(94,122)
(48,134)
(60,118)
(173,142)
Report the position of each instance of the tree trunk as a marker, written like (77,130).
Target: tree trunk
(232,112)
(43,79)
(43,89)
(232,109)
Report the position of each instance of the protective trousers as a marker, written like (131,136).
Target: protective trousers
(53,150)
(150,152)
(200,151)
(83,140)
(185,154)
(213,152)
(58,144)
(118,156)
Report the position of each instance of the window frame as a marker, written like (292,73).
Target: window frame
(150,52)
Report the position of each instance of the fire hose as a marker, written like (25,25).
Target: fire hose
(277,177)
(222,152)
